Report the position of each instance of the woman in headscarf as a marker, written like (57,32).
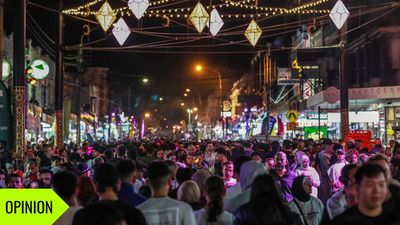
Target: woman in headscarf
(310,172)
(309,208)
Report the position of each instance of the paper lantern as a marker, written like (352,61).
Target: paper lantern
(199,17)
(121,31)
(105,16)
(138,7)
(253,33)
(339,14)
(216,22)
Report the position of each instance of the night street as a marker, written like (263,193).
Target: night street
(181,112)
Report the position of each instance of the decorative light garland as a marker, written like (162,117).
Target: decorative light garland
(79,10)
(307,5)
(159,13)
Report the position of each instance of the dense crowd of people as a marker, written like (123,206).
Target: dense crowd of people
(299,182)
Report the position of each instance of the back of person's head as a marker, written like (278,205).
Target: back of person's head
(275,146)
(189,192)
(184,174)
(344,174)
(86,190)
(286,144)
(200,177)
(106,176)
(121,151)
(159,174)
(108,154)
(126,168)
(215,191)
(98,214)
(64,184)
(264,188)
(145,191)
(370,171)
(132,154)
(238,163)
(378,157)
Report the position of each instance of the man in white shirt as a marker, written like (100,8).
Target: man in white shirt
(160,209)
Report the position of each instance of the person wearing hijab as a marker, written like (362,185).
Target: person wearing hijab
(310,172)
(309,208)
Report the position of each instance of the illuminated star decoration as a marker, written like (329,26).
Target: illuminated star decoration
(216,22)
(339,14)
(105,16)
(253,33)
(121,31)
(199,17)
(138,7)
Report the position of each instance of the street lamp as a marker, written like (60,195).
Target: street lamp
(147,115)
(145,80)
(182,104)
(187,90)
(199,68)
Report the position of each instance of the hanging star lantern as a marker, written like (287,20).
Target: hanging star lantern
(105,16)
(216,22)
(121,31)
(199,17)
(339,14)
(253,32)
(138,7)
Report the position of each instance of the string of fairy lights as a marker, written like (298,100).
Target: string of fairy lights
(200,17)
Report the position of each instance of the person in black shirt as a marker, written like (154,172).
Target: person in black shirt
(108,185)
(372,188)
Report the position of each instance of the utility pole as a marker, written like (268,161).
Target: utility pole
(59,140)
(19,107)
(344,83)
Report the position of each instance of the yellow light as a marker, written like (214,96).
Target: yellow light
(145,80)
(161,99)
(182,104)
(147,115)
(199,68)
(185,94)
(199,17)
(105,16)
(187,90)
(195,109)
(253,33)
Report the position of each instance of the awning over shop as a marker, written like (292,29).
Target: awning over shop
(363,96)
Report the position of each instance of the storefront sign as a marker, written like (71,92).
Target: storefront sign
(375,92)
(309,70)
(291,126)
(292,115)
(314,116)
(40,69)
(363,135)
(356,117)
(285,77)
(312,132)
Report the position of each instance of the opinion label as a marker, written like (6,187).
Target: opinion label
(30,206)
